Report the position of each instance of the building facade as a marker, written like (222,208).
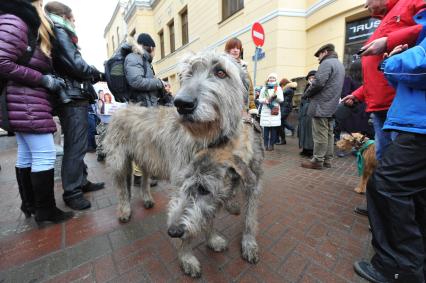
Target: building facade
(294,30)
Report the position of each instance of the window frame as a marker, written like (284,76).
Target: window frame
(227,9)
(172,36)
(184,26)
(162,51)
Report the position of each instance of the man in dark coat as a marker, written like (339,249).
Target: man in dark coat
(324,93)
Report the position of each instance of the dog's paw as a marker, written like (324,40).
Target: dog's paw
(359,190)
(249,250)
(148,204)
(217,243)
(124,214)
(191,266)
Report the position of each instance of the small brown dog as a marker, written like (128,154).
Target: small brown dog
(359,142)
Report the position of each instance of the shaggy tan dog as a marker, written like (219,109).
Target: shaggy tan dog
(360,143)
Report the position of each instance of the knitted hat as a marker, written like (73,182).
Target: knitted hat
(146,40)
(273,75)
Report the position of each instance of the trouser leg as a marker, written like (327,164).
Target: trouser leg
(396,199)
(382,139)
(320,136)
(74,170)
(330,141)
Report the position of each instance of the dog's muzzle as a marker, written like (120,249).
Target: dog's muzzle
(185,104)
(175,231)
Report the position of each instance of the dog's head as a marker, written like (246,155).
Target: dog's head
(206,184)
(349,141)
(210,100)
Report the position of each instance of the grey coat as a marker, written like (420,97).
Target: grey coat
(324,93)
(146,89)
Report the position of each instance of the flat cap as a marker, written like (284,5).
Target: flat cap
(328,47)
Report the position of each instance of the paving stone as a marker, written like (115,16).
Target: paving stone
(88,250)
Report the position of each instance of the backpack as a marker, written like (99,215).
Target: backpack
(115,75)
(23,61)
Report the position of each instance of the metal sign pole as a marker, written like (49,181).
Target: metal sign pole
(256,51)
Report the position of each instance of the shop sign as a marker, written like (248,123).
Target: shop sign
(361,30)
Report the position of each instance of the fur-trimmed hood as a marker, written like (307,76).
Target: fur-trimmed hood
(137,49)
(290,85)
(22,9)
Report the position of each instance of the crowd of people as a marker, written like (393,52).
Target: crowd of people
(43,75)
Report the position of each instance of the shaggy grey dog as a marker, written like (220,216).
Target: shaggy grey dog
(162,141)
(213,179)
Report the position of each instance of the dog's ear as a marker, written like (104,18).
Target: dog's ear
(237,165)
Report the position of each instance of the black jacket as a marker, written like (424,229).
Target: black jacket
(69,65)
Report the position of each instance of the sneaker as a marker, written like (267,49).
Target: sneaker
(92,187)
(78,203)
(367,271)
(361,210)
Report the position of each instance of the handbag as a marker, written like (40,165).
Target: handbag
(275,110)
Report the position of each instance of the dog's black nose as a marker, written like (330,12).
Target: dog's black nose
(185,104)
(175,231)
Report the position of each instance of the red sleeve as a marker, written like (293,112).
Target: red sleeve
(407,35)
(359,93)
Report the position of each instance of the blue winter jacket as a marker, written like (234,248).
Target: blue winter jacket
(407,74)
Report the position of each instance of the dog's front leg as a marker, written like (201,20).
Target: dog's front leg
(189,263)
(248,244)
(214,241)
(148,200)
(123,184)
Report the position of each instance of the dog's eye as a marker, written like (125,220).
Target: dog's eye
(202,190)
(220,74)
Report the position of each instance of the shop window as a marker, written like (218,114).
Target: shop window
(184,21)
(357,33)
(230,7)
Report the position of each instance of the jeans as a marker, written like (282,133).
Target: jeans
(396,199)
(269,136)
(285,124)
(323,135)
(91,142)
(36,151)
(382,138)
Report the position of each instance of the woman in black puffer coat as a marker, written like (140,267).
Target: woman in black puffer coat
(79,76)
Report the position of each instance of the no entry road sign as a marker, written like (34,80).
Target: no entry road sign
(258,34)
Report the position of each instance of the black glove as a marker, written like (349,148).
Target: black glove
(98,77)
(52,83)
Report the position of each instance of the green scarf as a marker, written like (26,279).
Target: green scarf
(63,22)
(360,158)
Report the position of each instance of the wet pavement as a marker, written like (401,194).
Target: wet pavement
(307,231)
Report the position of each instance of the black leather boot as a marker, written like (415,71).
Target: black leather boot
(45,205)
(23,177)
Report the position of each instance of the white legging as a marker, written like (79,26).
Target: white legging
(36,151)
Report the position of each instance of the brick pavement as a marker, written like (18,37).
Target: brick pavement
(307,232)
